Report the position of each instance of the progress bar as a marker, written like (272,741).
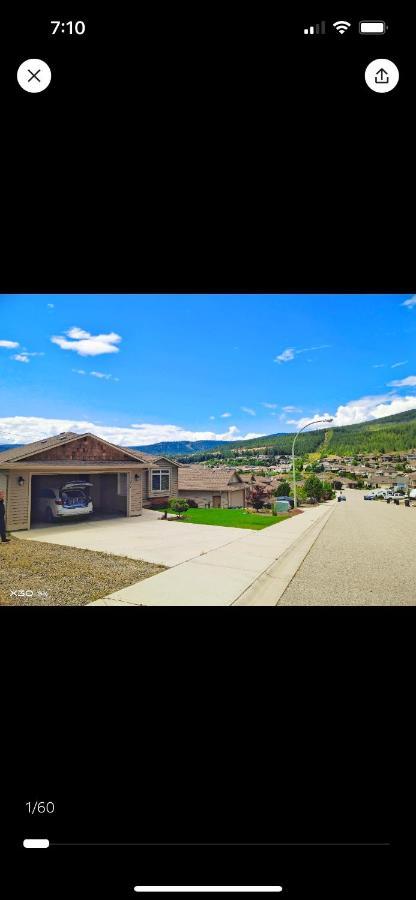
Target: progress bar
(41,843)
(207,889)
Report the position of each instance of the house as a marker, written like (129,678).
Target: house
(380,481)
(123,480)
(248,478)
(213,488)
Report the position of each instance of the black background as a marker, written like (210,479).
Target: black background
(193,148)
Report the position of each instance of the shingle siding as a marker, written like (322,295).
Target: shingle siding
(86,448)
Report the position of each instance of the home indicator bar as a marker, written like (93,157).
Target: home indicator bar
(207,889)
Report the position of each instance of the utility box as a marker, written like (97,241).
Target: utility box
(281,506)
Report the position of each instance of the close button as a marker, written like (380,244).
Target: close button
(34,75)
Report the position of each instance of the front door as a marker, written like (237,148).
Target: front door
(216,501)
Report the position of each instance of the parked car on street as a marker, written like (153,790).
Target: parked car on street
(73,499)
(369,496)
(341,497)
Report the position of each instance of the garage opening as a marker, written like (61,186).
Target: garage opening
(77,497)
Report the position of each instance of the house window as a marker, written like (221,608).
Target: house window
(161,480)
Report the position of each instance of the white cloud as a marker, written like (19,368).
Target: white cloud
(404,382)
(291,409)
(212,418)
(309,349)
(269,405)
(86,344)
(363,410)
(11,345)
(379,366)
(101,375)
(24,356)
(51,306)
(285,355)
(290,353)
(248,410)
(395,365)
(410,303)
(225,415)
(24,429)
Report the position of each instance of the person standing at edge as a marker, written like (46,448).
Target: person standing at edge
(4,539)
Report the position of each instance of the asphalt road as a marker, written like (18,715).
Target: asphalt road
(365,555)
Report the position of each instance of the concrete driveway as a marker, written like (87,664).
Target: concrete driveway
(207,565)
(147,537)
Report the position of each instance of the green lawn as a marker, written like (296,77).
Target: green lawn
(232,518)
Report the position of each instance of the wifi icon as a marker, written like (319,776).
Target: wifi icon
(341,27)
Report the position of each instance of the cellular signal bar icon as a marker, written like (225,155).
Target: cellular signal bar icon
(315,29)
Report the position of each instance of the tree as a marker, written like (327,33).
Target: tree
(313,487)
(257,496)
(327,491)
(283,490)
(178,506)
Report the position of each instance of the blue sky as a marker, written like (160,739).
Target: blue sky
(138,368)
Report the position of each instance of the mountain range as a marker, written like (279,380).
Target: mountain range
(391,433)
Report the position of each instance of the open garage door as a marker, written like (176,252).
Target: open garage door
(59,497)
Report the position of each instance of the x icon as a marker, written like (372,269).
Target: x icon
(34,75)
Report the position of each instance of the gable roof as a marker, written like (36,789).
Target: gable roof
(199,478)
(150,458)
(15,454)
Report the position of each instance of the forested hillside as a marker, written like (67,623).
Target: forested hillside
(392,433)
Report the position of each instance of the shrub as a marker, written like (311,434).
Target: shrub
(327,492)
(192,504)
(157,503)
(178,506)
(313,487)
(257,496)
(283,490)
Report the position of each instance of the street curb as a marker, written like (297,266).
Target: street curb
(268,588)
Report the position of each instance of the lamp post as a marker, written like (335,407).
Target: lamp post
(293,454)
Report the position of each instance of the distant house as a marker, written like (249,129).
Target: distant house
(248,478)
(380,481)
(219,488)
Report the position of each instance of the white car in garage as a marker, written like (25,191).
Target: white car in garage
(73,499)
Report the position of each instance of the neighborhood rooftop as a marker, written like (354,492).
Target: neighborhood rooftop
(200,478)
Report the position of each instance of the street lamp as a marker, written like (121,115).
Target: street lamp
(293,454)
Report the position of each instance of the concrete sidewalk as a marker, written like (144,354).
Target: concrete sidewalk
(253,569)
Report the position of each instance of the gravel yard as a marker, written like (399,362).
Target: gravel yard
(44,574)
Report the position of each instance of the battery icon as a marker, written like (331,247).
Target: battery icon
(372,27)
